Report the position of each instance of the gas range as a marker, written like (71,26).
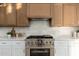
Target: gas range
(42,43)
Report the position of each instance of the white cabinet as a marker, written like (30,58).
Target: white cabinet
(18,48)
(74,47)
(5,48)
(18,52)
(6,51)
(12,48)
(61,48)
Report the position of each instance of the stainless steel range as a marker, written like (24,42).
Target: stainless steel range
(39,45)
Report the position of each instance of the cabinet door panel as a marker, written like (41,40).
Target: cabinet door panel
(21,14)
(10,15)
(74,48)
(16,51)
(2,16)
(62,48)
(39,10)
(18,48)
(62,51)
(70,15)
(57,14)
(6,51)
(77,11)
(5,48)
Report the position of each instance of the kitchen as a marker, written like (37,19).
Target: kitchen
(55,24)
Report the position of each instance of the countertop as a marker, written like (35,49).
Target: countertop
(12,38)
(60,38)
(65,38)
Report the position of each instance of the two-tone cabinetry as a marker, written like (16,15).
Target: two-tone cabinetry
(17,14)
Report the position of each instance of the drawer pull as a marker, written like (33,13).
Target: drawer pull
(3,43)
(17,43)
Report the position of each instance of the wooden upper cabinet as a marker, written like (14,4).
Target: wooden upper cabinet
(77,13)
(10,15)
(21,14)
(69,15)
(39,10)
(57,13)
(2,16)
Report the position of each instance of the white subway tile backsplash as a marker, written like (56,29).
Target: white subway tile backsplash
(54,31)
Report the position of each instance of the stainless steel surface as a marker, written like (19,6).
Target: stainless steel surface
(40,43)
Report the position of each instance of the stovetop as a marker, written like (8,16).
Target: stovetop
(40,41)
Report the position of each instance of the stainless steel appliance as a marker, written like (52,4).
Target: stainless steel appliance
(39,45)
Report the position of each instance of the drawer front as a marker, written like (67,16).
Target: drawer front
(62,43)
(5,43)
(18,44)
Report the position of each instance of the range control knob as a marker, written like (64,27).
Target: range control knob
(28,42)
(31,43)
(46,42)
(50,42)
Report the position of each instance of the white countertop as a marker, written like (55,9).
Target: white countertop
(60,38)
(12,38)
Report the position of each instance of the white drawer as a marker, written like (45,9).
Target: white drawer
(5,42)
(18,44)
(61,43)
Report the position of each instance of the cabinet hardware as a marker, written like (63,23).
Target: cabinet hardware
(4,43)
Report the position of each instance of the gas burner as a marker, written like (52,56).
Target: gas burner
(39,36)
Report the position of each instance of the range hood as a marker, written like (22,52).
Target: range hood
(44,22)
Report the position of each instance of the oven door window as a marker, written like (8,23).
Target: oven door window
(40,52)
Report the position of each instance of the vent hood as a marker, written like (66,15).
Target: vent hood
(40,22)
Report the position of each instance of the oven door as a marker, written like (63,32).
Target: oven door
(40,52)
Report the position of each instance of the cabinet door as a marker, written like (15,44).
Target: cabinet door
(2,16)
(6,51)
(17,51)
(57,13)
(5,48)
(62,48)
(39,10)
(77,13)
(74,48)
(10,15)
(18,48)
(21,13)
(69,15)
